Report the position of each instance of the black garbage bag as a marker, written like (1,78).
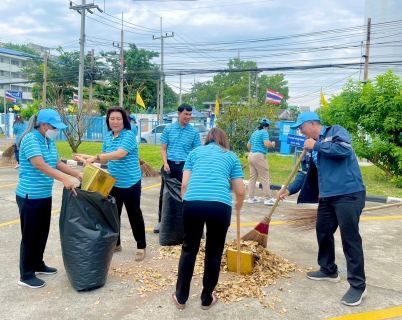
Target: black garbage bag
(89,227)
(171,229)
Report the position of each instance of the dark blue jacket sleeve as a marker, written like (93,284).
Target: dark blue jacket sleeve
(336,145)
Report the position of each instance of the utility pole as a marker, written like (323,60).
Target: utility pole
(157,102)
(256,86)
(81,9)
(91,77)
(162,37)
(121,64)
(249,89)
(180,90)
(367,54)
(44,80)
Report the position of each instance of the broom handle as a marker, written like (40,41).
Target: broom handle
(238,242)
(397,204)
(268,216)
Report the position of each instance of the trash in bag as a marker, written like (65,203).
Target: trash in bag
(89,227)
(171,229)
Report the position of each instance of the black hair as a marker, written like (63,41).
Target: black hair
(184,106)
(126,122)
(263,125)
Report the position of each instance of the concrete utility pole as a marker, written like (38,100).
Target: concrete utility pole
(91,77)
(180,90)
(121,64)
(44,80)
(81,9)
(249,89)
(162,73)
(367,54)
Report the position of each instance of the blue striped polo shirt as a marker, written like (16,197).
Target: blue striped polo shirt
(33,182)
(134,129)
(19,129)
(257,141)
(126,170)
(211,168)
(180,141)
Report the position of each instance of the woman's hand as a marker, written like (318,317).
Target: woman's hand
(69,185)
(79,176)
(90,160)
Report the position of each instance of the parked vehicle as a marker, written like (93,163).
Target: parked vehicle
(154,136)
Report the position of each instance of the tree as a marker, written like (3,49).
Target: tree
(371,113)
(20,48)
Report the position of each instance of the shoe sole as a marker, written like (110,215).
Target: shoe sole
(337,279)
(32,287)
(353,304)
(42,272)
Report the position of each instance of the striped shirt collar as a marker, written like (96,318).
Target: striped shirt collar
(39,135)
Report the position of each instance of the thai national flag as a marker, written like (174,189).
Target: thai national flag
(10,97)
(75,99)
(273,97)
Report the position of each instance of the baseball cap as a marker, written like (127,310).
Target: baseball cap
(133,117)
(304,117)
(265,121)
(51,117)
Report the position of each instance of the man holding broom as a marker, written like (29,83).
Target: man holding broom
(331,176)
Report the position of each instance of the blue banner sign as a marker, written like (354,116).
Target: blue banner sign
(16,94)
(297,141)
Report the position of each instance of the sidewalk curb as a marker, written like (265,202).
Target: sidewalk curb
(379,199)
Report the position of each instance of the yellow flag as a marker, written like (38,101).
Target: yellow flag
(323,102)
(16,108)
(216,108)
(139,101)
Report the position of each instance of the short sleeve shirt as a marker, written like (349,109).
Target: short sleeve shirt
(33,182)
(257,141)
(134,129)
(126,170)
(180,141)
(19,129)
(212,168)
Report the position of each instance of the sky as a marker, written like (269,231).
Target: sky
(207,33)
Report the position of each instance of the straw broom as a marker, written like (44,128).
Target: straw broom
(8,155)
(307,218)
(147,170)
(260,233)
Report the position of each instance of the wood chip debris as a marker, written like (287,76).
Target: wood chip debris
(269,267)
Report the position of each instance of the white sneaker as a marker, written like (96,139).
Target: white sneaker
(253,200)
(269,202)
(17,166)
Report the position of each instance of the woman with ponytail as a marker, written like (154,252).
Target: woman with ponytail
(39,166)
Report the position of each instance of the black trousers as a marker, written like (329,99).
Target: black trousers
(35,224)
(176,171)
(343,211)
(17,153)
(131,198)
(216,216)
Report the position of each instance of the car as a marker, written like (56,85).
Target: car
(154,136)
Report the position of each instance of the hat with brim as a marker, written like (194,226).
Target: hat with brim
(51,117)
(265,121)
(305,117)
(133,117)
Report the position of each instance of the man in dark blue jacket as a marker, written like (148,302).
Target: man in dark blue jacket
(331,176)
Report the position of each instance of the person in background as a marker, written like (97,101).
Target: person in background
(178,139)
(120,151)
(331,176)
(133,124)
(39,165)
(18,129)
(207,201)
(258,146)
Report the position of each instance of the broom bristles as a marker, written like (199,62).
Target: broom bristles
(259,234)
(9,152)
(147,170)
(305,219)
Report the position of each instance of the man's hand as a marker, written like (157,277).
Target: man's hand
(281,194)
(166,167)
(309,143)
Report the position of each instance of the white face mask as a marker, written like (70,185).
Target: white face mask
(52,134)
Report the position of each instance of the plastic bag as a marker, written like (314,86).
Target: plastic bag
(89,227)
(171,230)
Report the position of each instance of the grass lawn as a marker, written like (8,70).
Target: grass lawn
(280,167)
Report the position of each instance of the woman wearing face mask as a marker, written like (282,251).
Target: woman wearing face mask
(39,160)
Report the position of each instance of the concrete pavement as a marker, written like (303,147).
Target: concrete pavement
(119,299)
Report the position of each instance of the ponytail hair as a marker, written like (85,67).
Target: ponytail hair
(32,124)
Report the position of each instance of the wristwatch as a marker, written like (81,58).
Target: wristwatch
(97,157)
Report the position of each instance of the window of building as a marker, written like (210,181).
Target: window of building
(15,74)
(16,88)
(1,86)
(1,60)
(26,89)
(1,73)
(15,62)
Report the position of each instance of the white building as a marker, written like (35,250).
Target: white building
(11,64)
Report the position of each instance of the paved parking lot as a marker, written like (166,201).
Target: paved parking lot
(119,299)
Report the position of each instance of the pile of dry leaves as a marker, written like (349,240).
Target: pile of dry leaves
(163,274)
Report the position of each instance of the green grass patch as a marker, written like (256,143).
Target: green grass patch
(280,167)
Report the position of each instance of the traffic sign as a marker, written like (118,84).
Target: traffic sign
(294,140)
(16,94)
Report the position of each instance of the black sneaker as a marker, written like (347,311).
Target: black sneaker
(319,275)
(46,270)
(33,283)
(156,229)
(353,297)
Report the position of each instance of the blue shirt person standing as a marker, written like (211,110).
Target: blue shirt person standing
(208,175)
(133,124)
(258,146)
(178,139)
(331,176)
(18,129)
(120,151)
(39,166)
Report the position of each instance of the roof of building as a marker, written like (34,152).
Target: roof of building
(17,53)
